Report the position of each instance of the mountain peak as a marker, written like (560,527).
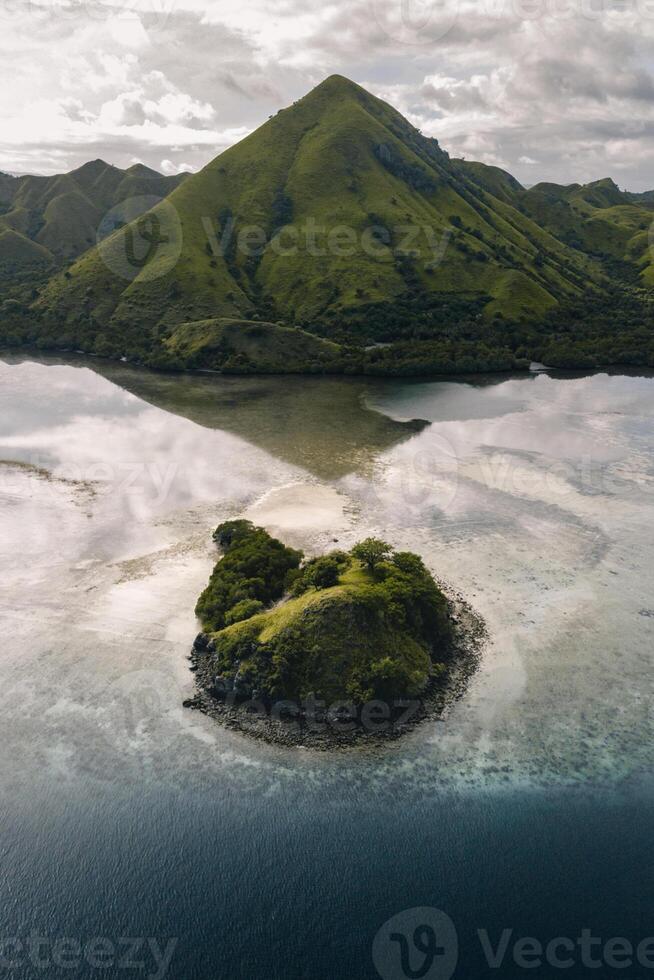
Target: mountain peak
(141,170)
(339,157)
(337,87)
(336,81)
(603,193)
(93,165)
(604,182)
(92,170)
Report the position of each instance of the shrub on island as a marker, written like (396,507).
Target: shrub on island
(359,625)
(254,568)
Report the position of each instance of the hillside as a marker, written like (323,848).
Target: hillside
(55,219)
(335,238)
(330,168)
(494,180)
(597,219)
(242,346)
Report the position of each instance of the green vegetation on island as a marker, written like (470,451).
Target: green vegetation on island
(255,568)
(352,626)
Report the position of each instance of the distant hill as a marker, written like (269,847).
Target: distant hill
(598,219)
(494,180)
(338,217)
(337,158)
(53,219)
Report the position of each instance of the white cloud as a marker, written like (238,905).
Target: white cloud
(168,167)
(549,89)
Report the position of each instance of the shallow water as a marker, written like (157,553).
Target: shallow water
(127,815)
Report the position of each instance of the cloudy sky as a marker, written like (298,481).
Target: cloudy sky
(549,89)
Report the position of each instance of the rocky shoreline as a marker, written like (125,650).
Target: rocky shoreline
(329,728)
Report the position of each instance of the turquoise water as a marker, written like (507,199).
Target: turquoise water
(528,808)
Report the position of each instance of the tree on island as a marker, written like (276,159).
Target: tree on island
(371,551)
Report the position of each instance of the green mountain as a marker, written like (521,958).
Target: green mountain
(46,220)
(334,230)
(494,180)
(598,219)
(353,206)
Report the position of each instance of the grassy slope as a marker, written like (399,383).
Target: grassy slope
(342,638)
(17,250)
(62,213)
(323,159)
(267,346)
(600,218)
(496,181)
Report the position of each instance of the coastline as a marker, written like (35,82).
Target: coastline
(32,352)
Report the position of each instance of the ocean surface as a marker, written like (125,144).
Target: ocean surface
(513,838)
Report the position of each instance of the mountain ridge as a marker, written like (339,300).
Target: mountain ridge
(61,213)
(337,216)
(339,157)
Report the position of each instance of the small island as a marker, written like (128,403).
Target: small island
(327,650)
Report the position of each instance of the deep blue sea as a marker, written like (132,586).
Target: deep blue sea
(297,886)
